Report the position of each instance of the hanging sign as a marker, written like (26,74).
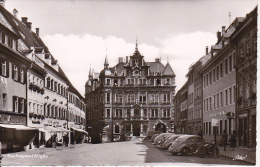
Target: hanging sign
(215,122)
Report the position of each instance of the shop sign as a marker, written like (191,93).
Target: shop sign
(215,122)
(243,115)
(217,114)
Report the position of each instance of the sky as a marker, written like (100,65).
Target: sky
(80,33)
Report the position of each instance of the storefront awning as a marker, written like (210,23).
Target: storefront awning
(17,127)
(52,129)
(63,129)
(19,134)
(79,130)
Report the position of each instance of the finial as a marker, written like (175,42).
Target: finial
(167,59)
(136,45)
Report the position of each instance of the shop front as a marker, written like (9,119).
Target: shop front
(246,120)
(16,137)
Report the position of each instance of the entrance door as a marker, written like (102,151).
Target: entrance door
(161,127)
(253,130)
(245,132)
(136,130)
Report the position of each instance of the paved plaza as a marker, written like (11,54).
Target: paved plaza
(134,153)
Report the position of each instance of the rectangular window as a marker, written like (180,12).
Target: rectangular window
(21,105)
(213,75)
(226,66)
(15,104)
(21,75)
(217,100)
(221,99)
(15,72)
(226,97)
(234,59)
(207,128)
(214,101)
(242,51)
(221,70)
(4,67)
(207,104)
(210,77)
(210,128)
(207,78)
(108,98)
(217,72)
(204,81)
(230,95)
(4,101)
(108,113)
(230,63)
(210,103)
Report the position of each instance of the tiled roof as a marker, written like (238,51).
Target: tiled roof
(156,67)
(168,70)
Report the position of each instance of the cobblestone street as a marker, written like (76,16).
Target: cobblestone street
(134,152)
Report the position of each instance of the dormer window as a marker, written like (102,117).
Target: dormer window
(115,82)
(167,81)
(158,82)
(108,81)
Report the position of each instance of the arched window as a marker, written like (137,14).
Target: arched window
(116,128)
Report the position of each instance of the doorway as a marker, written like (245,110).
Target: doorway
(160,127)
(136,130)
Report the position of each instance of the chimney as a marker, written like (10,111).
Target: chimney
(207,50)
(120,60)
(223,30)
(29,25)
(219,36)
(15,13)
(2,3)
(24,20)
(37,32)
(157,59)
(126,60)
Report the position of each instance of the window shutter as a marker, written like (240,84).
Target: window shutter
(18,73)
(7,68)
(19,104)
(14,97)
(0,65)
(12,70)
(25,105)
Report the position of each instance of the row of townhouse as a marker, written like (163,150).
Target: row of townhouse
(222,86)
(37,100)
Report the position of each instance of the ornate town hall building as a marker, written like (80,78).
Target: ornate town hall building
(133,96)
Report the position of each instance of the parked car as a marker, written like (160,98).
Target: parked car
(161,136)
(168,142)
(143,135)
(116,138)
(186,144)
(154,136)
(162,140)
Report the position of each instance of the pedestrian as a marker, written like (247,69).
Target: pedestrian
(54,141)
(67,140)
(200,133)
(224,139)
(233,140)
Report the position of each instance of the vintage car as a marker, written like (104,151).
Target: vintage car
(154,136)
(168,142)
(160,137)
(186,144)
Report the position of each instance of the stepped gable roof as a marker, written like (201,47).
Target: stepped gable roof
(156,66)
(168,70)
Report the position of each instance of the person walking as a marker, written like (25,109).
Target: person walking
(224,139)
(233,140)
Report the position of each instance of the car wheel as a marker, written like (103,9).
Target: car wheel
(174,153)
(185,151)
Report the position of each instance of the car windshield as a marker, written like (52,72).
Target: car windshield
(178,140)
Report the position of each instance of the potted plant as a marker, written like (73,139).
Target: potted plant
(34,115)
(42,117)
(30,114)
(39,116)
